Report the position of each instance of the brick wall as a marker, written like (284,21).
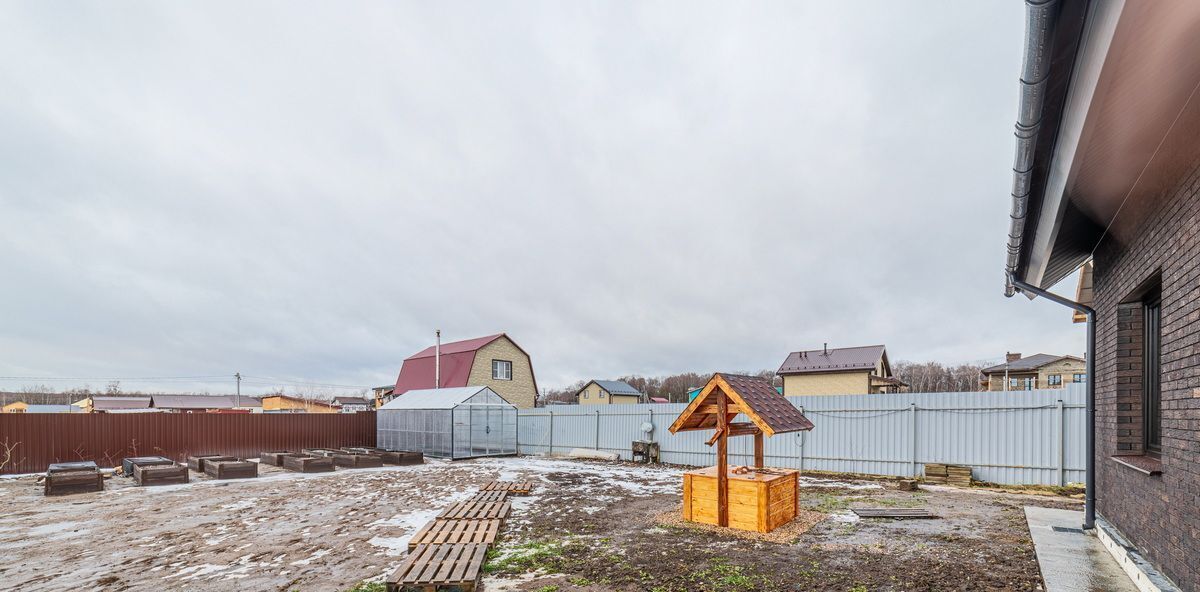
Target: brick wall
(1160,514)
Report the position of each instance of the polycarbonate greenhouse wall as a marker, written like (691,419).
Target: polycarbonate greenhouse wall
(1018,437)
(484,425)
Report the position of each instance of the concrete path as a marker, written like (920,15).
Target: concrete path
(1071,560)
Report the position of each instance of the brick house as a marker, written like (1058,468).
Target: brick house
(1108,170)
(494,361)
(1039,371)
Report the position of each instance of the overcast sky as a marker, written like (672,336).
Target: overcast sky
(306,191)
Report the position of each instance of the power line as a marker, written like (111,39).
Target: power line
(130,378)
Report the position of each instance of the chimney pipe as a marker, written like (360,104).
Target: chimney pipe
(437,361)
(825,349)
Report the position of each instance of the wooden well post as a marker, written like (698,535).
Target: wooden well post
(714,408)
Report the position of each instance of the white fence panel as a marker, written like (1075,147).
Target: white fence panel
(1028,437)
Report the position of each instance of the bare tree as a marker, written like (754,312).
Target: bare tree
(935,377)
(7,455)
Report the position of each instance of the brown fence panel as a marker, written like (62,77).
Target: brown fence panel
(38,439)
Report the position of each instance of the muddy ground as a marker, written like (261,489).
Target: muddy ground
(588,526)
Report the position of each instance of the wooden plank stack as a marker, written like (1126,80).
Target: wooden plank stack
(308,464)
(73,477)
(147,475)
(959,475)
(447,554)
(230,469)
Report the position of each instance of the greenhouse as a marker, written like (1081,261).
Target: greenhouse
(454,423)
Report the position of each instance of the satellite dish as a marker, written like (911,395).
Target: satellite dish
(647,427)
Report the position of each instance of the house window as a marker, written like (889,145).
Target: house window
(501,370)
(1054,380)
(1152,372)
(601,394)
(1020,384)
(1079,377)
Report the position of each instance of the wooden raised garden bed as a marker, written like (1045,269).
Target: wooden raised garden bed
(62,482)
(196,463)
(308,464)
(128,463)
(390,457)
(274,457)
(79,465)
(147,475)
(230,469)
(319,452)
(357,461)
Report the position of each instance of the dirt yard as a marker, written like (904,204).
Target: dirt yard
(589,526)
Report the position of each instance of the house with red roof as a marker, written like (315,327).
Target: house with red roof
(494,361)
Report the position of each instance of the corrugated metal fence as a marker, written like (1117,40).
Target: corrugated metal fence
(43,438)
(1030,437)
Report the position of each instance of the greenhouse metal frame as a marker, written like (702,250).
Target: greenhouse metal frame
(453,423)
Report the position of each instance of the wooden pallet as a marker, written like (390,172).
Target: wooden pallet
(81,481)
(476,511)
(308,464)
(440,568)
(490,496)
(147,475)
(512,487)
(906,513)
(230,469)
(451,532)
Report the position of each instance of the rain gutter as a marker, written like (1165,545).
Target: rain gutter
(1089,508)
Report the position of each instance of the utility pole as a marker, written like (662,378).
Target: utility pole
(437,361)
(238,376)
(1006,371)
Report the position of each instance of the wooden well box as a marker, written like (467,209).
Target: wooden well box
(759,502)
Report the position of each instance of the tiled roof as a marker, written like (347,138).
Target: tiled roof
(1028,363)
(616,387)
(822,360)
(764,406)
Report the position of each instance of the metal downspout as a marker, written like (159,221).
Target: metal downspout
(1089,508)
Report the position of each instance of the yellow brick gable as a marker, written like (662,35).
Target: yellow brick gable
(522,389)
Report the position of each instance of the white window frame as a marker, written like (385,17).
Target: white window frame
(497,365)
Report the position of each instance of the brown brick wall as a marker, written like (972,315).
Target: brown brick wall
(1160,514)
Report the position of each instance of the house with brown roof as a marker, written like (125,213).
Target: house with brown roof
(494,361)
(861,370)
(1039,371)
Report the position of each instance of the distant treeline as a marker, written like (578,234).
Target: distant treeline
(922,377)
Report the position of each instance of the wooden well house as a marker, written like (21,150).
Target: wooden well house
(748,498)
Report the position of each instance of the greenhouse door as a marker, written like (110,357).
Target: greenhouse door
(487,430)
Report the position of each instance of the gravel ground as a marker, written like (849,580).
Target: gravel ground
(587,526)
